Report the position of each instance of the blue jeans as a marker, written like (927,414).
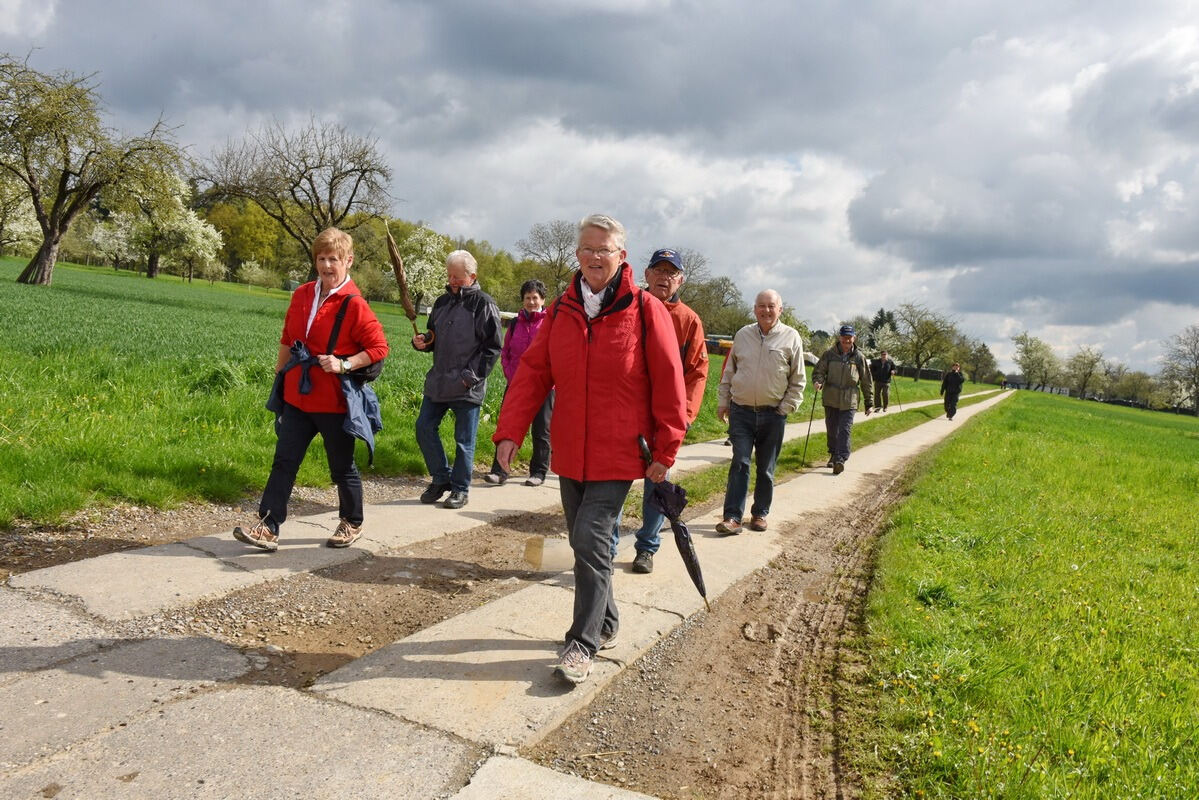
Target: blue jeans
(758,432)
(428,437)
(649,534)
(592,509)
(838,430)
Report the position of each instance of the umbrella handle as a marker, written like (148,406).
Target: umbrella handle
(646,455)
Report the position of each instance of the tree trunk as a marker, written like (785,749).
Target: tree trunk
(40,270)
(152,266)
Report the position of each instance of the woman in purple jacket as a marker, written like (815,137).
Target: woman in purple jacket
(520,335)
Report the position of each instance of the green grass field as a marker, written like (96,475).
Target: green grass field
(119,388)
(1032,625)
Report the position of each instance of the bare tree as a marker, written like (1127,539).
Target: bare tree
(924,334)
(53,142)
(318,177)
(1082,370)
(1180,370)
(551,245)
(695,267)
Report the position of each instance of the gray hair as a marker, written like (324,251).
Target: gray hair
(778,298)
(465,259)
(604,222)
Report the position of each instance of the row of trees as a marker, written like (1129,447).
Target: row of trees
(248,212)
(252,209)
(919,337)
(1087,374)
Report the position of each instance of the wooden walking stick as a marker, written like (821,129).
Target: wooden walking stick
(397,265)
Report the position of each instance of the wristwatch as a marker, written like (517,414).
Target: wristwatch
(345,365)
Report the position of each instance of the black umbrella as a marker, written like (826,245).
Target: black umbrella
(671,499)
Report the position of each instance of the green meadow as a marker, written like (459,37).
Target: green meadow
(1031,629)
(122,389)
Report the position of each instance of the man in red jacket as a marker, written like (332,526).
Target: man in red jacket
(609,351)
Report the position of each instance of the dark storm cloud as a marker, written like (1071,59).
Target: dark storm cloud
(995,157)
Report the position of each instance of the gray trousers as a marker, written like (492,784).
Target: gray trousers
(592,508)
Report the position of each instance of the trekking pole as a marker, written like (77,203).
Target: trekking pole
(895,386)
(803,461)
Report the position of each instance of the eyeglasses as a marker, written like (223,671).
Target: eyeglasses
(667,272)
(603,252)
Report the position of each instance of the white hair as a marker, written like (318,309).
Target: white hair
(465,259)
(604,222)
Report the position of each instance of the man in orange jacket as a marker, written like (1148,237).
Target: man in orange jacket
(664,276)
(609,352)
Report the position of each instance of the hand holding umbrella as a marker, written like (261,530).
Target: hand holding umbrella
(671,499)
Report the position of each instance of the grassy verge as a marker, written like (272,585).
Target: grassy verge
(1031,630)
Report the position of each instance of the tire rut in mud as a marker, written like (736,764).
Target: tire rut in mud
(747,701)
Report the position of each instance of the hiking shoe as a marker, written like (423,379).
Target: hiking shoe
(434,493)
(534,480)
(495,478)
(838,467)
(830,463)
(607,642)
(729,526)
(728,442)
(345,535)
(757,524)
(257,535)
(643,564)
(455,500)
(574,664)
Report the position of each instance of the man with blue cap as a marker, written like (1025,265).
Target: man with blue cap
(844,375)
(663,278)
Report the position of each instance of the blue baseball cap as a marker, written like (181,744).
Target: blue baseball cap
(846,330)
(667,255)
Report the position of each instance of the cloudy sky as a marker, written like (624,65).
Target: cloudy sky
(1018,165)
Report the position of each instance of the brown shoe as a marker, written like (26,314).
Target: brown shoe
(345,535)
(257,535)
(729,526)
(757,524)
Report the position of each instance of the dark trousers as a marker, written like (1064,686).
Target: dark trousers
(540,463)
(951,403)
(592,508)
(882,394)
(757,432)
(295,430)
(838,428)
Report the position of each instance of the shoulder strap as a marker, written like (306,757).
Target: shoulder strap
(340,318)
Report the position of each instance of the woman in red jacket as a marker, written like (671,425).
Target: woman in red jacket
(609,352)
(313,398)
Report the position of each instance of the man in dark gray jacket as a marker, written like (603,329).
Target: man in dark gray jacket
(844,375)
(464,337)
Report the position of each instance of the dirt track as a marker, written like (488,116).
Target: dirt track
(742,702)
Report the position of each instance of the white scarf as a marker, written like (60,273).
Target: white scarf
(591,300)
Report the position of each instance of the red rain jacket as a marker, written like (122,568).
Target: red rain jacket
(360,330)
(611,382)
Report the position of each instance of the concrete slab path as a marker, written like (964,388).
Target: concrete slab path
(441,713)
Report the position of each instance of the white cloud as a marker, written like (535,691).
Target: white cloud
(26,17)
